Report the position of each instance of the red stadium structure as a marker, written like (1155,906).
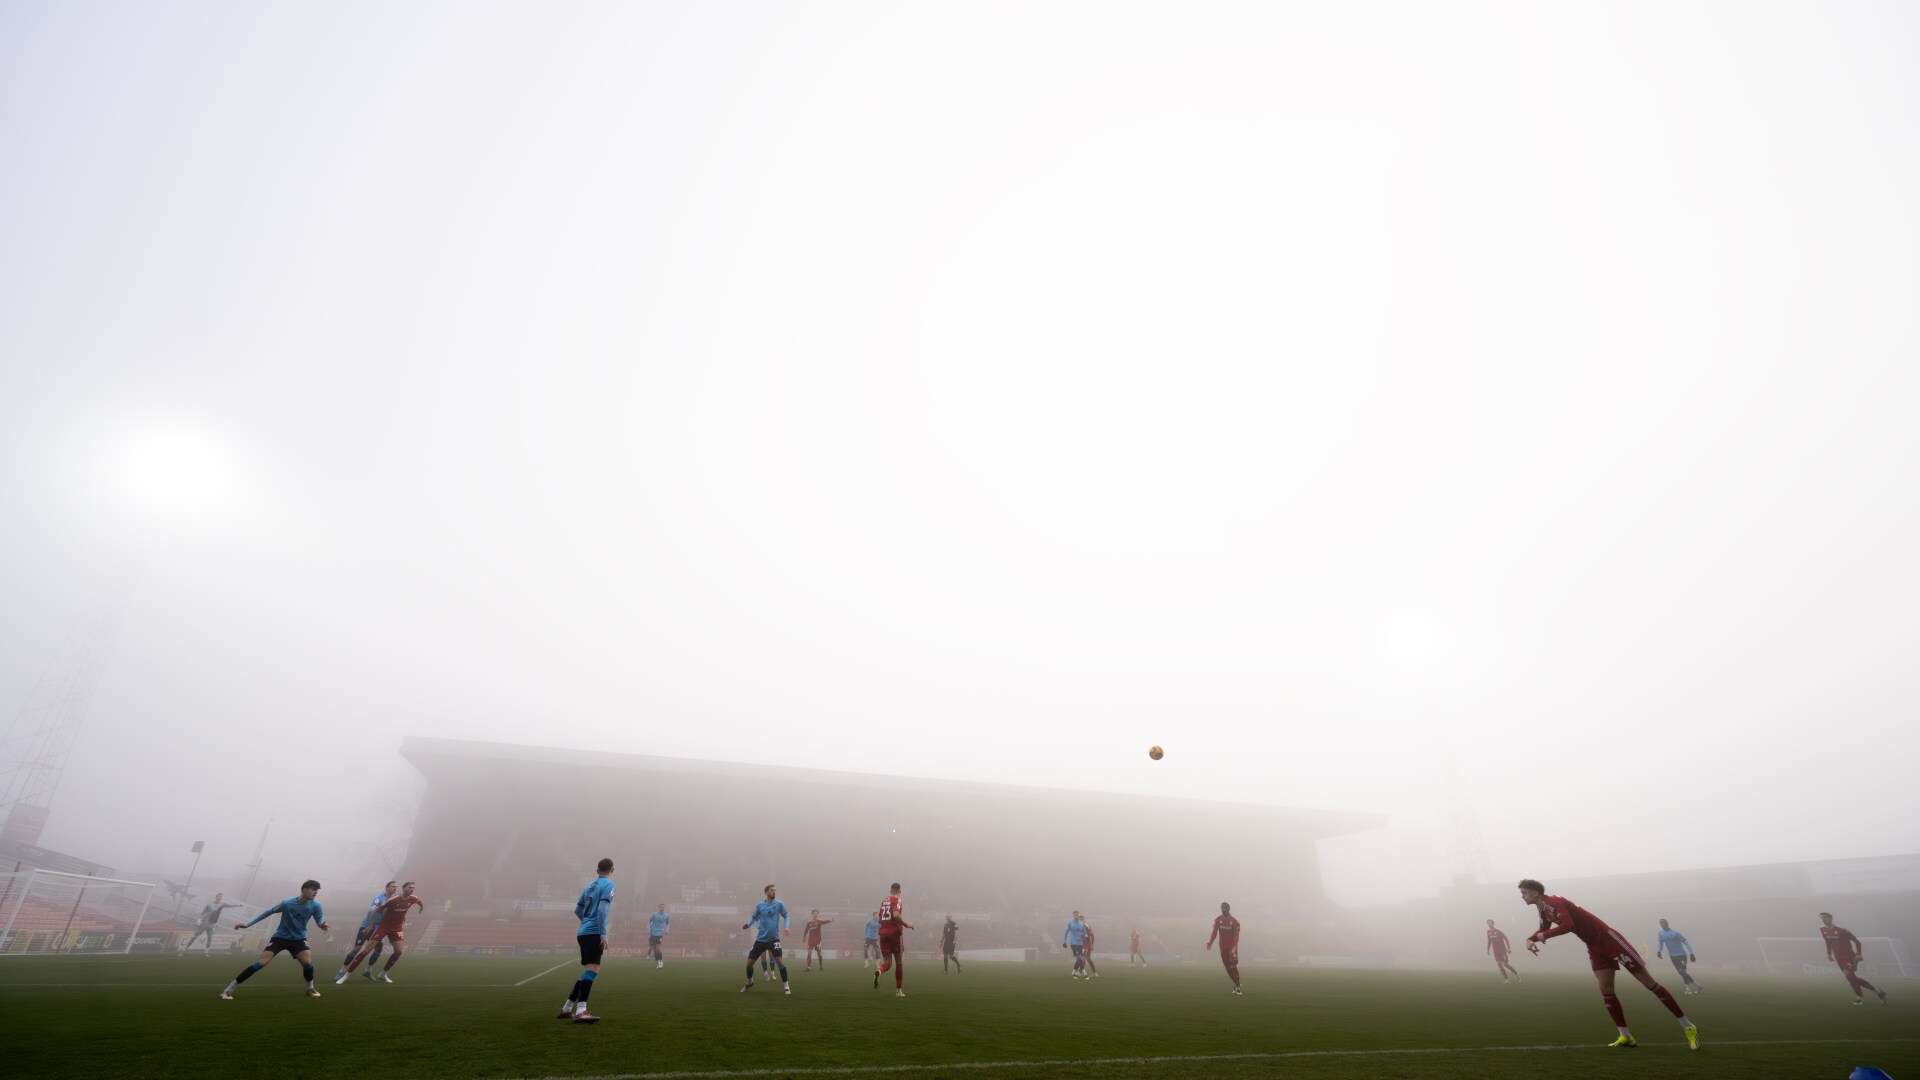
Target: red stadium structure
(507,834)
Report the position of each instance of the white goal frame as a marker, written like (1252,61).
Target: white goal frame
(20,885)
(1885,955)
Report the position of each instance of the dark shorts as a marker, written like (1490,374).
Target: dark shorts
(1679,962)
(948,948)
(296,946)
(761,947)
(892,944)
(592,948)
(654,942)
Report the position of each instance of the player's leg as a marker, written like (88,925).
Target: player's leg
(351,963)
(1639,971)
(780,964)
(956,960)
(399,950)
(1604,977)
(1230,955)
(305,958)
(1858,984)
(592,948)
(900,966)
(265,958)
(753,961)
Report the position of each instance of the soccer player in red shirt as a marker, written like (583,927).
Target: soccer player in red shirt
(1607,950)
(1227,929)
(1133,950)
(1844,949)
(390,928)
(893,943)
(1086,949)
(814,923)
(1501,950)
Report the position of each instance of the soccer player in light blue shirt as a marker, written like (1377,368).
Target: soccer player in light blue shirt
(1076,939)
(768,919)
(1680,951)
(656,933)
(870,945)
(596,900)
(288,937)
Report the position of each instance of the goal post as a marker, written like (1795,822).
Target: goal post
(1808,956)
(49,912)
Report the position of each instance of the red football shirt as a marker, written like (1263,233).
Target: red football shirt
(1842,946)
(1227,929)
(393,913)
(813,930)
(1559,915)
(1497,941)
(893,915)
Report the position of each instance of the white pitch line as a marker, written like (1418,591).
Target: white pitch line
(1082,1063)
(549,971)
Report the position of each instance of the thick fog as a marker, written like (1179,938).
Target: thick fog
(1500,418)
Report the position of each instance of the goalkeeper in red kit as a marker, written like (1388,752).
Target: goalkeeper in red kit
(1227,929)
(893,941)
(1607,951)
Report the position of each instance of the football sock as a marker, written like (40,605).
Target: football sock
(783,973)
(586,985)
(1623,1030)
(307,970)
(1614,1010)
(1666,998)
(246,973)
(574,993)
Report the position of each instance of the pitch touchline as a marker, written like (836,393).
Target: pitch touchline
(549,971)
(1064,1063)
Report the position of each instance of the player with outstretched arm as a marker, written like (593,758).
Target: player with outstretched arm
(290,936)
(1608,951)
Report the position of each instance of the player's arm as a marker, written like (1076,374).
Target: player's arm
(320,918)
(1214,934)
(1859,950)
(274,910)
(1549,917)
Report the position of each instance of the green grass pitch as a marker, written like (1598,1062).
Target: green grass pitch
(161,1017)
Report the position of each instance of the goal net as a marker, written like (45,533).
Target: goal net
(1808,956)
(46,912)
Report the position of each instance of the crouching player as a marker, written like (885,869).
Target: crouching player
(1608,951)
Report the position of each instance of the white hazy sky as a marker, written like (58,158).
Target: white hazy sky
(1392,407)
